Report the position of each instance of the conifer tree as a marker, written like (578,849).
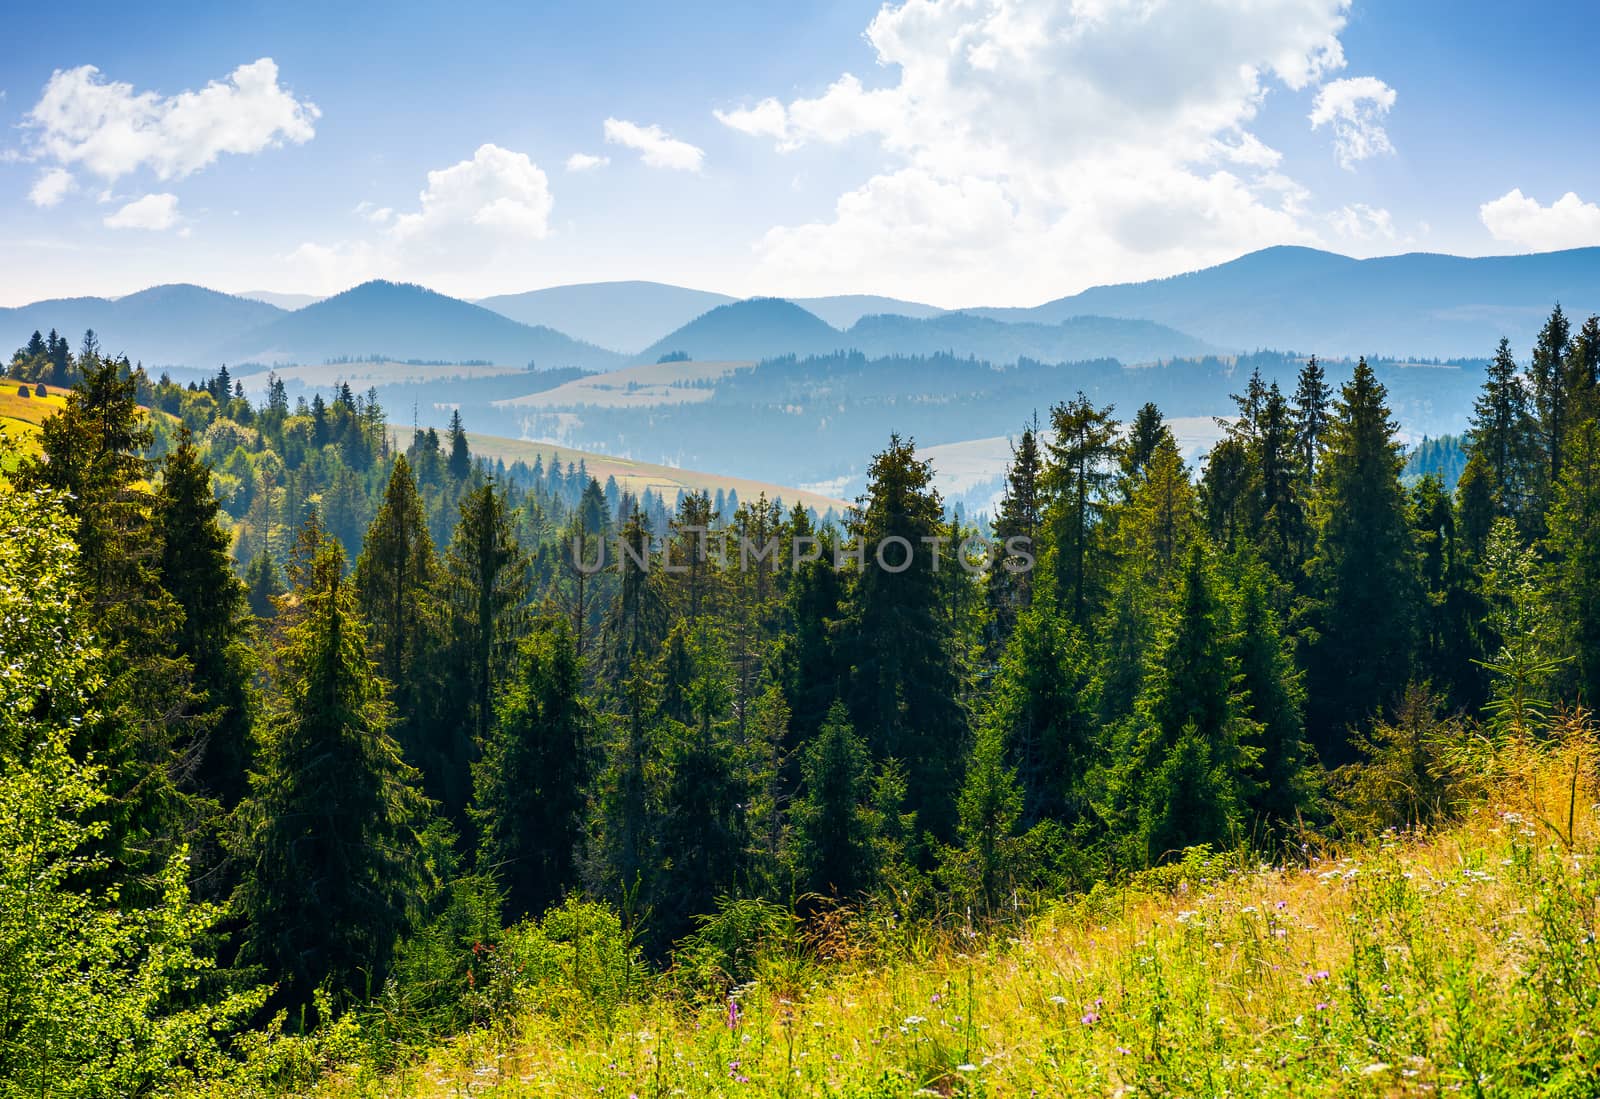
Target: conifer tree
(1010,576)
(832,846)
(485,586)
(459,462)
(1077,476)
(397,591)
(197,570)
(988,810)
(1363,571)
(1553,384)
(530,785)
(333,821)
(1502,432)
(1574,568)
(1272,697)
(1189,761)
(1312,396)
(903,697)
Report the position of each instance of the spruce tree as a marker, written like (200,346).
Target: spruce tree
(485,586)
(904,692)
(1010,576)
(832,845)
(1312,395)
(197,570)
(1362,574)
(1502,432)
(530,785)
(396,584)
(1077,476)
(332,825)
(1574,567)
(1553,385)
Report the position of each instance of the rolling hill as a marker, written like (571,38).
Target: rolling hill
(622,316)
(1308,300)
(757,328)
(172,325)
(843,310)
(763,328)
(407,322)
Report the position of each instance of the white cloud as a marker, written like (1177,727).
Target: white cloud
(500,191)
(1361,222)
(1057,143)
(655,146)
(586,162)
(112,130)
(51,187)
(1568,222)
(1355,108)
(471,215)
(150,212)
(378,215)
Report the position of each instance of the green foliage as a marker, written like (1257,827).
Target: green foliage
(331,827)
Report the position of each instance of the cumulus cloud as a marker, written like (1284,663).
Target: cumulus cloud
(51,187)
(111,129)
(497,190)
(1060,142)
(655,146)
(155,212)
(1568,222)
(471,214)
(1355,108)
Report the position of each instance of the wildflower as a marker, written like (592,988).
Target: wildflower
(1090,1018)
(1124,1050)
(1281,905)
(1058,1000)
(1319,975)
(733,1013)
(967,1068)
(1322,1006)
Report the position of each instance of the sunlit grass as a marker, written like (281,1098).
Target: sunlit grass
(1462,962)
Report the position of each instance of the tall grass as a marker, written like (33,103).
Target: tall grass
(1460,960)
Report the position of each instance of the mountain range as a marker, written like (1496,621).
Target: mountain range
(1311,301)
(1288,298)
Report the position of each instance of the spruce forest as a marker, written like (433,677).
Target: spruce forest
(325,747)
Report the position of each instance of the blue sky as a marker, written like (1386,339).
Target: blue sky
(954,151)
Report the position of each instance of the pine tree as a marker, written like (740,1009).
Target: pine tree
(485,586)
(1502,432)
(396,584)
(1312,396)
(197,570)
(530,785)
(1189,761)
(1272,698)
(1362,572)
(988,810)
(1077,477)
(833,849)
(904,694)
(1010,576)
(1448,640)
(460,461)
(1574,569)
(264,585)
(333,822)
(1553,386)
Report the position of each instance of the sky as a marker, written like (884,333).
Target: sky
(958,152)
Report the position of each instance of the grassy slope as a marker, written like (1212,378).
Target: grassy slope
(1458,962)
(20,417)
(635,476)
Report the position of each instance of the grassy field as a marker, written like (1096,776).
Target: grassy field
(1460,962)
(20,416)
(635,477)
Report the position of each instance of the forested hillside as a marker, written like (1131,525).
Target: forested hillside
(319,747)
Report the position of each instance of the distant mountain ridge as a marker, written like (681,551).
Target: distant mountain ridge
(170,325)
(403,320)
(620,316)
(1313,301)
(764,328)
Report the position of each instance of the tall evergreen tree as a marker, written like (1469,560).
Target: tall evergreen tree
(333,822)
(903,698)
(1010,576)
(531,782)
(1502,432)
(1362,573)
(1574,568)
(197,570)
(832,844)
(1077,477)
(459,462)
(1312,397)
(1553,384)
(485,587)
(397,591)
